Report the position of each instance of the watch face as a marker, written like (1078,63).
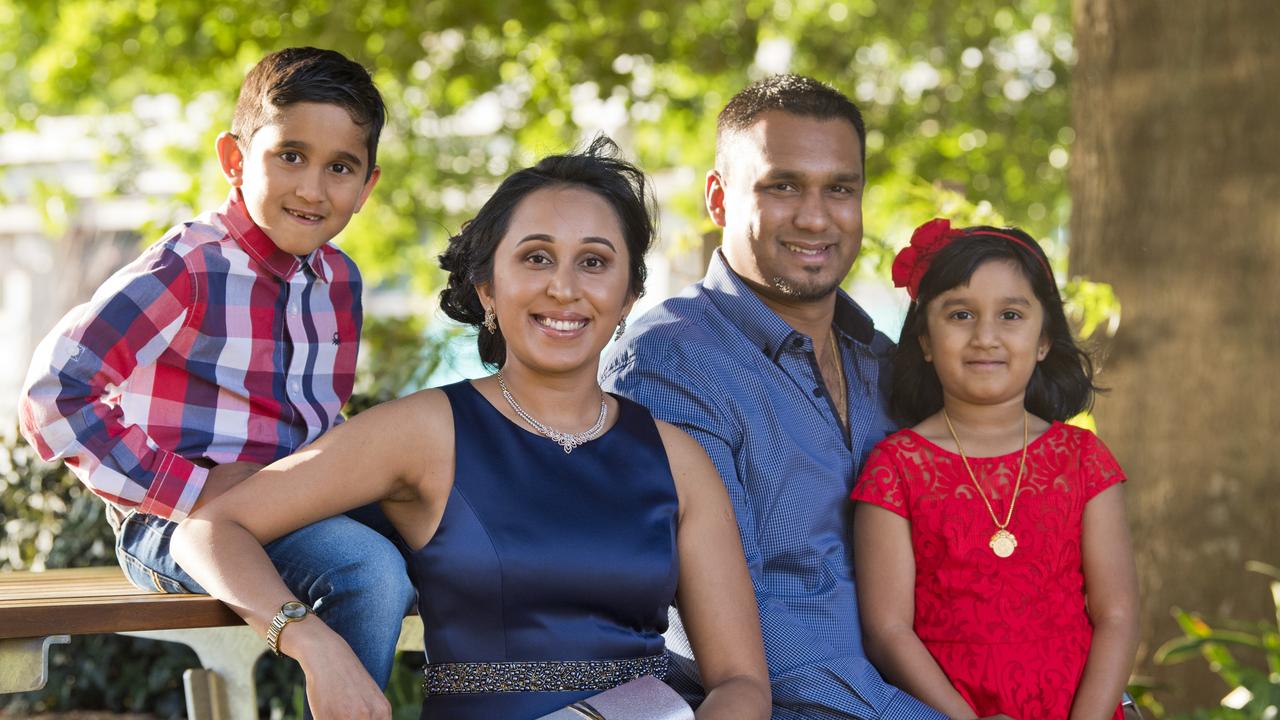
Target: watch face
(294,609)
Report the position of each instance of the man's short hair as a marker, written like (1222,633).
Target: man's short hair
(307,74)
(794,94)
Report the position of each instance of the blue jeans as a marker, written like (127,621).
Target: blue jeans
(351,574)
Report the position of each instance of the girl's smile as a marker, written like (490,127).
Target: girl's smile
(985,338)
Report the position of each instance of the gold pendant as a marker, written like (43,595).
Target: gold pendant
(1003,543)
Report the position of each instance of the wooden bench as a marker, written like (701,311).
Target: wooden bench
(40,609)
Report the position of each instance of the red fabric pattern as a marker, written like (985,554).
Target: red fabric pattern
(1012,634)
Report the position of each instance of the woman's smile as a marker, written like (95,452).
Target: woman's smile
(560,325)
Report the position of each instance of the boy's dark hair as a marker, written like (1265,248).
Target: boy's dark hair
(1061,385)
(469,256)
(307,74)
(794,94)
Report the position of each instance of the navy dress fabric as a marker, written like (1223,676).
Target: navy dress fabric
(544,555)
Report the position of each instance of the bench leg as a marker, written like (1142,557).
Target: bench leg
(228,652)
(206,698)
(24,662)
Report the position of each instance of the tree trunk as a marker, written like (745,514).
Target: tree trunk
(1176,202)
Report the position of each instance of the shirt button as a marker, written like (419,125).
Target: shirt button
(797,343)
(293,309)
(818,391)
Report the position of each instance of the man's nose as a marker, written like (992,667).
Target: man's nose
(812,214)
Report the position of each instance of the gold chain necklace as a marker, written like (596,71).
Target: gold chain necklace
(1003,542)
(841,402)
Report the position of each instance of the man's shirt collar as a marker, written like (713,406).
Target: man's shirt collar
(761,325)
(255,241)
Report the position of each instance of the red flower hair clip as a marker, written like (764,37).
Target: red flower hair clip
(912,261)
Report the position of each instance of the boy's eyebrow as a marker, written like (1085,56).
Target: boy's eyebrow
(547,238)
(353,160)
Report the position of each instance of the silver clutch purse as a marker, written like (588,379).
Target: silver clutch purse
(645,698)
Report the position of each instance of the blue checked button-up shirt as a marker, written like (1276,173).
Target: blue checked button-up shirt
(721,365)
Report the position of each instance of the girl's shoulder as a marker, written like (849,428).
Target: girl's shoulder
(904,442)
(905,436)
(1072,438)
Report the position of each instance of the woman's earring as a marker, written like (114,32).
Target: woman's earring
(622,327)
(490,320)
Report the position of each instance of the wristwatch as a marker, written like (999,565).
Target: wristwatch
(291,611)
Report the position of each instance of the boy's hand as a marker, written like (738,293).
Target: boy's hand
(222,478)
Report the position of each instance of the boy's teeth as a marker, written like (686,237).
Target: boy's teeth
(562,324)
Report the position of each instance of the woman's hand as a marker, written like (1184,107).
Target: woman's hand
(338,686)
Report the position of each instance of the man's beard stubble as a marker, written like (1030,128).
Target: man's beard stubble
(808,293)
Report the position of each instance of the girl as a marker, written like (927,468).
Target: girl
(980,531)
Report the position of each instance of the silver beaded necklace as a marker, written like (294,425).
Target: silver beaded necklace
(568,441)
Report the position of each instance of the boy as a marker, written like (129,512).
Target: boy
(232,343)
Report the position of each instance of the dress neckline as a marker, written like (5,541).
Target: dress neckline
(1054,426)
(622,412)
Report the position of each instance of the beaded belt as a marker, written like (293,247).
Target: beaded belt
(549,675)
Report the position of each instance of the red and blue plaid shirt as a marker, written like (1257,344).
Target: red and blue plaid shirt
(214,346)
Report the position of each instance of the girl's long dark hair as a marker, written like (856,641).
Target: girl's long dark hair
(1062,384)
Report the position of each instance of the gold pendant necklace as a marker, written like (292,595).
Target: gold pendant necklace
(1002,542)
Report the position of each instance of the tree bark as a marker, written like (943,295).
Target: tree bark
(1175,183)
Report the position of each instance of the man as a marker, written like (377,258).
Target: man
(780,376)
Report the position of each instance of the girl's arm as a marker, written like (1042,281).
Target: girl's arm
(378,455)
(1111,586)
(715,597)
(886,571)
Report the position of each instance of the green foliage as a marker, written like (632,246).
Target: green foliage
(398,355)
(970,97)
(1254,692)
(50,519)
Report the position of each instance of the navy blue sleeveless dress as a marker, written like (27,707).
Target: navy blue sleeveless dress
(542,555)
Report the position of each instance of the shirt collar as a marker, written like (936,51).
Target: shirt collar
(761,325)
(255,241)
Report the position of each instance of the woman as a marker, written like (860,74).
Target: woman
(544,517)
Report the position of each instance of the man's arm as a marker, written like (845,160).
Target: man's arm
(63,410)
(809,678)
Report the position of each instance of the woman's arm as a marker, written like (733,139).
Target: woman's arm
(1111,586)
(886,571)
(715,597)
(380,454)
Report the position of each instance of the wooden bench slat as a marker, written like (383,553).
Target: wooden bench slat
(97,600)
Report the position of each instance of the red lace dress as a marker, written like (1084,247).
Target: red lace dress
(1011,633)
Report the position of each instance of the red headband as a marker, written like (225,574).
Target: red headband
(913,261)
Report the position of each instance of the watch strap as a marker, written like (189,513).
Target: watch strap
(278,622)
